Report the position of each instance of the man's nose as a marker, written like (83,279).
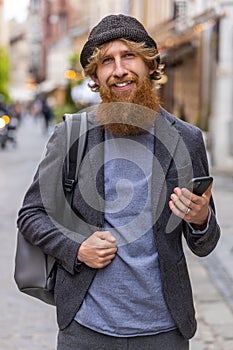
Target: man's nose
(119,69)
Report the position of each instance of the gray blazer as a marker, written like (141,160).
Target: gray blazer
(45,219)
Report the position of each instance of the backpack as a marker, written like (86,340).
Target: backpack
(35,272)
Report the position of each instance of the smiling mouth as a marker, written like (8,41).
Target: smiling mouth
(123,83)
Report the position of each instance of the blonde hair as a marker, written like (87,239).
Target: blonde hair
(149,54)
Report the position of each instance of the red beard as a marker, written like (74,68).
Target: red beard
(124,113)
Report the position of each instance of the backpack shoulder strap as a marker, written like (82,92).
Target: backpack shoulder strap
(76,128)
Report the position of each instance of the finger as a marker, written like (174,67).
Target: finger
(100,265)
(182,203)
(187,196)
(110,240)
(102,261)
(207,193)
(103,252)
(176,210)
(184,195)
(107,236)
(106,258)
(96,257)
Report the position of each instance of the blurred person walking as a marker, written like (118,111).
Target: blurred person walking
(47,113)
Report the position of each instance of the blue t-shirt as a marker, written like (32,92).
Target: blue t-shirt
(126,298)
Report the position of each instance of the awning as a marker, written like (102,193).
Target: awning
(47,86)
(21,94)
(169,36)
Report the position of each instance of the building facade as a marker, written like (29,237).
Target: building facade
(21,86)
(3,29)
(188,44)
(194,39)
(222,118)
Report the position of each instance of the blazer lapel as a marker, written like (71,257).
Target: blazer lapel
(89,192)
(166,141)
(96,157)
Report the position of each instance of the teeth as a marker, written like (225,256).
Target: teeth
(123,84)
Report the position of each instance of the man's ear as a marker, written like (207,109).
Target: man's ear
(151,71)
(95,79)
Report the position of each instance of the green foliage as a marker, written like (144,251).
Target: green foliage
(74,59)
(4,73)
(74,62)
(59,111)
(68,98)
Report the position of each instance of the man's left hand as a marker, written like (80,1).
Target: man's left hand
(190,207)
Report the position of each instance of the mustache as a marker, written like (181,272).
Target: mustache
(115,80)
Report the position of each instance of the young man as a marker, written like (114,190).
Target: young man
(124,284)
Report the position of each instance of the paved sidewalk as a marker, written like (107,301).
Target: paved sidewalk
(27,324)
(212,279)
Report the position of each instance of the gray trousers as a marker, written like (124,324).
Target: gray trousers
(77,337)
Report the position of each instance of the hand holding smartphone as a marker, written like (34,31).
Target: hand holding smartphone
(198,185)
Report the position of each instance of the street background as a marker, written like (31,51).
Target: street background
(40,45)
(26,323)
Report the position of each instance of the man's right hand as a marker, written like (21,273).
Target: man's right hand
(98,250)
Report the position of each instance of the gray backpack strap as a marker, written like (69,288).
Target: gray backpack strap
(76,127)
(81,142)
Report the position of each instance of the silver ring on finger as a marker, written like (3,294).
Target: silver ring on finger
(187,211)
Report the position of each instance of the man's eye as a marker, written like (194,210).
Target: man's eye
(106,60)
(129,54)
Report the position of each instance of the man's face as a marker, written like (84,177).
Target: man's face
(125,85)
(119,72)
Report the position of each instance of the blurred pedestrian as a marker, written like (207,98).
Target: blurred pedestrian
(36,107)
(7,128)
(18,111)
(47,113)
(125,285)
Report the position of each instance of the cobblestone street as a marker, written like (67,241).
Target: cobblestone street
(28,324)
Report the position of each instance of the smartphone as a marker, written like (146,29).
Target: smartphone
(198,185)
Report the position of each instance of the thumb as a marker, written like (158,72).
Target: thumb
(207,193)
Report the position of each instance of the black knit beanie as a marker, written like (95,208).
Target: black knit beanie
(115,27)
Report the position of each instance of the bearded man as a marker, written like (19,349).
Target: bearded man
(126,284)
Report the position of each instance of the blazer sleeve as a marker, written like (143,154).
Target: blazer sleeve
(201,244)
(38,218)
